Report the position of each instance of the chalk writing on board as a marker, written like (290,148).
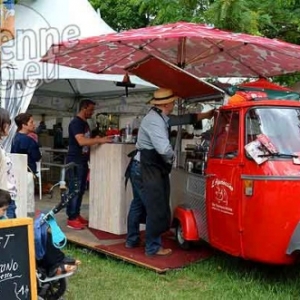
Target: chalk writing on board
(9,271)
(5,239)
(23,291)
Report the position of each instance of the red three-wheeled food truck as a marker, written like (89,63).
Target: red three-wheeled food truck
(245,198)
(239,188)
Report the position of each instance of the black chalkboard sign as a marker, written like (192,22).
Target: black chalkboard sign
(17,260)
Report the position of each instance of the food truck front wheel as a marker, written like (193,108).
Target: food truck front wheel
(186,227)
(183,244)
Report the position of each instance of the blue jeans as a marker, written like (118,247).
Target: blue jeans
(11,210)
(137,213)
(79,173)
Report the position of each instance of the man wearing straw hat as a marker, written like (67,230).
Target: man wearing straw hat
(150,168)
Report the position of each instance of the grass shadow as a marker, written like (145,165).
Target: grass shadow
(241,268)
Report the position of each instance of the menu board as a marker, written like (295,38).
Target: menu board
(17,260)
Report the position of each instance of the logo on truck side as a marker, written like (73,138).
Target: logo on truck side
(220,202)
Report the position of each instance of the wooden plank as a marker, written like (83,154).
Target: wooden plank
(76,239)
(86,239)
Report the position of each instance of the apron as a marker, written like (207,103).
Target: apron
(156,191)
(131,155)
(156,188)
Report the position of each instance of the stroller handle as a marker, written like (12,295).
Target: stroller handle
(65,195)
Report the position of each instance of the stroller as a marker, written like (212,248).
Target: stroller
(54,287)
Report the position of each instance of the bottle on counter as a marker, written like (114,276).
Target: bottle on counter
(122,135)
(128,133)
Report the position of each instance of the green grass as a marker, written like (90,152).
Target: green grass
(219,277)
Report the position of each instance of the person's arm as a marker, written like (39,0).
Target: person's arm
(78,130)
(85,141)
(182,119)
(34,151)
(160,140)
(190,118)
(206,115)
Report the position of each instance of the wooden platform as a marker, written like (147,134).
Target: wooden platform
(114,245)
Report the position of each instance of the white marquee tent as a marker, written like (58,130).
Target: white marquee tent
(46,87)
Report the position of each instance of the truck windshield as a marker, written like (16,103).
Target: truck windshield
(280,125)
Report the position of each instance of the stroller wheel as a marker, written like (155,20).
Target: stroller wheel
(56,289)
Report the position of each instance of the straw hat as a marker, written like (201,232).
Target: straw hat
(163,96)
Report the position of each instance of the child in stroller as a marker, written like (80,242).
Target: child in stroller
(5,200)
(53,266)
(49,239)
(49,256)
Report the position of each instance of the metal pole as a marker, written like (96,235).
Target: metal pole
(178,137)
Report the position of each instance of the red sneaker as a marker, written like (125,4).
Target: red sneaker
(75,224)
(82,220)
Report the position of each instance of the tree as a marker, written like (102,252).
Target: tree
(168,11)
(120,14)
(249,16)
(234,15)
(284,20)
(257,17)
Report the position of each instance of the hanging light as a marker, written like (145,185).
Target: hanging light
(125,83)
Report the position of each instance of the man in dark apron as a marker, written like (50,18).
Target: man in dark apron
(149,173)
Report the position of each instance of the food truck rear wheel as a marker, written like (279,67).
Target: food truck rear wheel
(183,244)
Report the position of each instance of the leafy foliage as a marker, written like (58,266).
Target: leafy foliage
(256,17)
(234,15)
(121,15)
(250,16)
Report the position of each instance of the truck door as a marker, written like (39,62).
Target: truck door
(223,183)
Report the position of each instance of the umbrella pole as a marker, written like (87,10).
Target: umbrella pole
(178,137)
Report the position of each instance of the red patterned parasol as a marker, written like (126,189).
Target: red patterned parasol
(199,49)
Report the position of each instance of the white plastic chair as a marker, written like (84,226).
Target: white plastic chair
(39,170)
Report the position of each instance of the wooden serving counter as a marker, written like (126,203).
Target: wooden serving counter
(109,201)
